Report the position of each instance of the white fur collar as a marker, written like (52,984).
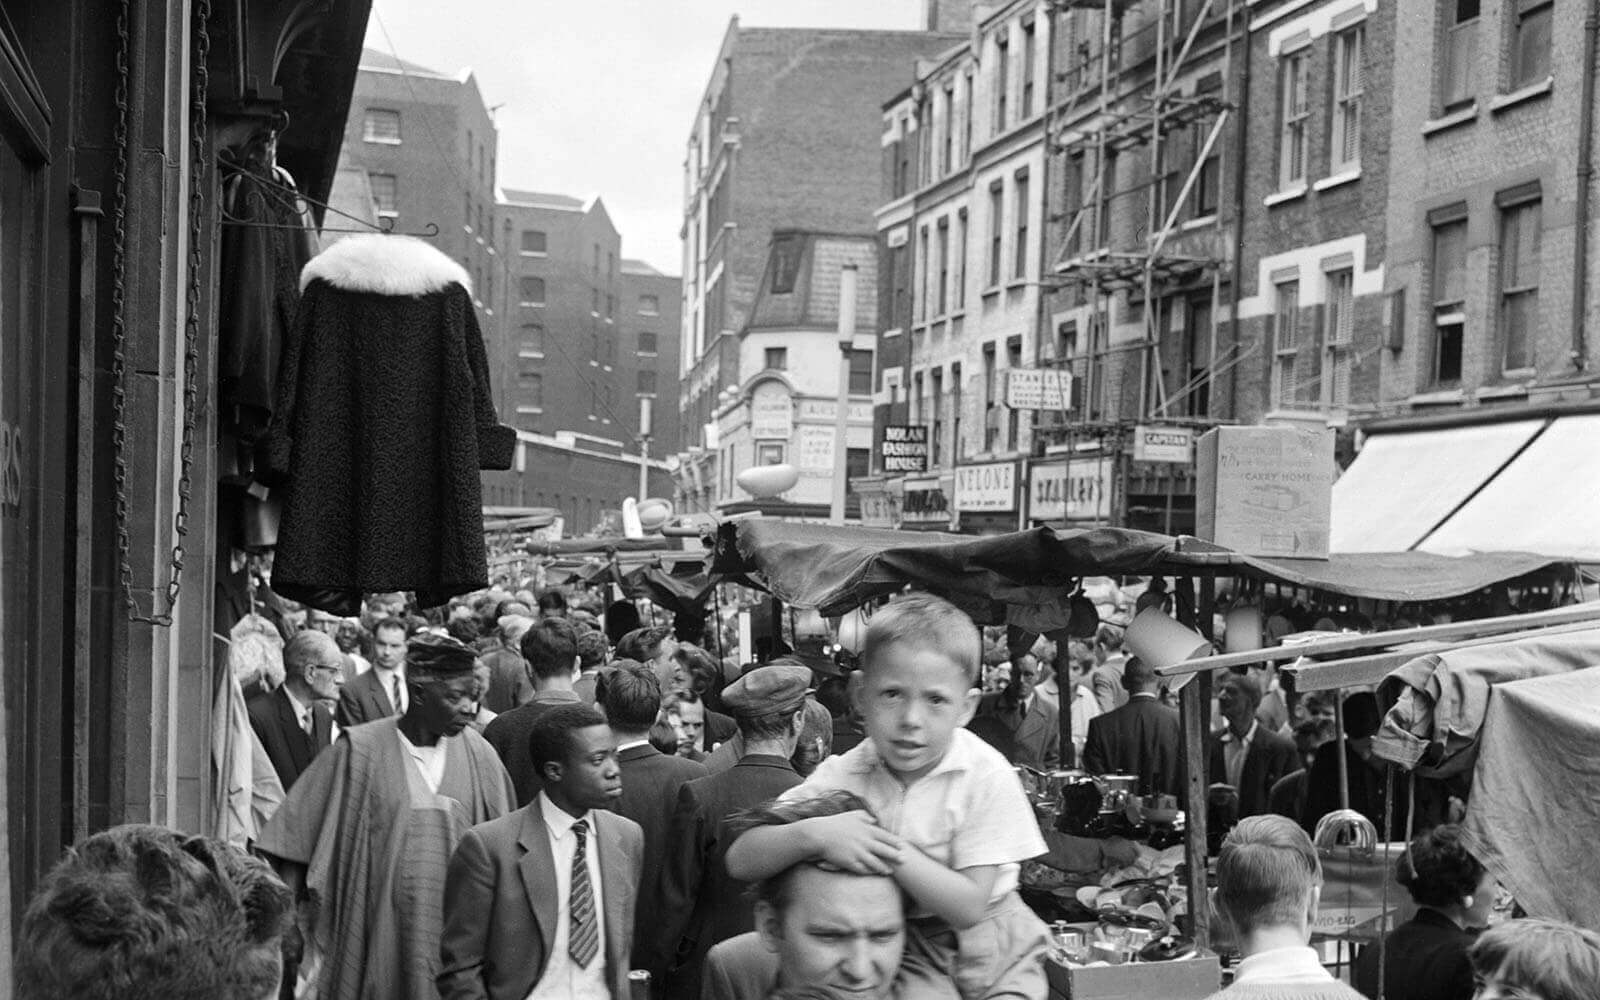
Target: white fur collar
(387,265)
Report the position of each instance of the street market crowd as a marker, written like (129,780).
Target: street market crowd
(526,796)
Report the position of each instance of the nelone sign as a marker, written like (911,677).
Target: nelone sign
(904,448)
(986,487)
(1038,389)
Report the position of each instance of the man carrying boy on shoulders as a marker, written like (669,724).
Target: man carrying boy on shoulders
(953,823)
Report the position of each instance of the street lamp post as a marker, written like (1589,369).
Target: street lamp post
(841,414)
(644,447)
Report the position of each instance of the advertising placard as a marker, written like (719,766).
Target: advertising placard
(1038,389)
(1163,444)
(904,448)
(986,487)
(1077,489)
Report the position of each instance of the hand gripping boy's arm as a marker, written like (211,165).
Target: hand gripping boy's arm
(852,841)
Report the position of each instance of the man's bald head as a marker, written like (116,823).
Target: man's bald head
(308,649)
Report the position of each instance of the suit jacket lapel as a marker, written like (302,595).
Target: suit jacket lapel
(538,868)
(322,727)
(1032,722)
(294,738)
(616,887)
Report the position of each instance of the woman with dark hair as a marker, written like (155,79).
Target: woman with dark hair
(1536,960)
(1425,958)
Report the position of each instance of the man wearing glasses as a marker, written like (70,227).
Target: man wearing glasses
(295,722)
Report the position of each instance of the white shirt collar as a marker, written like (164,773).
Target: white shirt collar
(1248,738)
(559,821)
(301,710)
(630,745)
(1282,965)
(958,756)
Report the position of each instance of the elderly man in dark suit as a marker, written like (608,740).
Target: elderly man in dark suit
(1246,754)
(295,722)
(381,692)
(769,705)
(1142,737)
(539,904)
(631,697)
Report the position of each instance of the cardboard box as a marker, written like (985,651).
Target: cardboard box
(1188,979)
(1265,491)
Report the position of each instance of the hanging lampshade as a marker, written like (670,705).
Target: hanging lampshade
(853,631)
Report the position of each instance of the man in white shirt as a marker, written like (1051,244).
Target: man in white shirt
(381,692)
(295,722)
(539,905)
(1269,884)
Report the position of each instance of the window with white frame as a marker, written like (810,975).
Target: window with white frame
(1294,86)
(1520,233)
(1338,336)
(1285,342)
(1029,44)
(947,131)
(958,273)
(385,194)
(1345,148)
(1449,298)
(381,126)
(923,298)
(996,230)
(530,291)
(1020,202)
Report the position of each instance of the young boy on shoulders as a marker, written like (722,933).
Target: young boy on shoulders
(953,823)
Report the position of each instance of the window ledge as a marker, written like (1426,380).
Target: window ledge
(1444,123)
(1016,283)
(380,142)
(956,314)
(1283,197)
(895,332)
(991,291)
(1506,391)
(1528,93)
(1439,397)
(1337,180)
(1202,222)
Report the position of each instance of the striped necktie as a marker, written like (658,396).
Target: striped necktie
(584,940)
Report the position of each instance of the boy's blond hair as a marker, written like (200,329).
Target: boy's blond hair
(923,621)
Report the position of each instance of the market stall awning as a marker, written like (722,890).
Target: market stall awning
(834,569)
(1403,485)
(1544,501)
(1400,576)
(1535,802)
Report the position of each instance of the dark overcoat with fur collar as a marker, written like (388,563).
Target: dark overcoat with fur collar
(382,420)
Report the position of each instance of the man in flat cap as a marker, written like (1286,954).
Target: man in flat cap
(702,905)
(365,835)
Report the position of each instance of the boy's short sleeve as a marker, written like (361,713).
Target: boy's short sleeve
(999,827)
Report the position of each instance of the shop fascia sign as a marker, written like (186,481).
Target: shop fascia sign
(904,448)
(1153,443)
(925,502)
(1038,389)
(771,412)
(1072,489)
(986,487)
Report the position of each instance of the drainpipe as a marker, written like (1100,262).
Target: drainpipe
(1240,172)
(1580,248)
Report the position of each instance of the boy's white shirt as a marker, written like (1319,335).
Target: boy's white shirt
(969,811)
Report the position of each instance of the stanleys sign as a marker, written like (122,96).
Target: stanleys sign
(1038,389)
(904,449)
(1077,489)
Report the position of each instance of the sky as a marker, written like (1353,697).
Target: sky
(598,96)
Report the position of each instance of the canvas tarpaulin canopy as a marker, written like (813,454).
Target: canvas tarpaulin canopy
(1024,577)
(1535,803)
(1439,700)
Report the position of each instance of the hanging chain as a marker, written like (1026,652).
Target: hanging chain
(191,352)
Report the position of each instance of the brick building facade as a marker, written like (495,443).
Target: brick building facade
(786,136)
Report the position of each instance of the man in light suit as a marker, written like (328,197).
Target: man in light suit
(1247,754)
(295,722)
(371,696)
(1033,723)
(539,905)
(1106,680)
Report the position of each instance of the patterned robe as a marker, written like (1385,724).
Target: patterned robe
(376,842)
